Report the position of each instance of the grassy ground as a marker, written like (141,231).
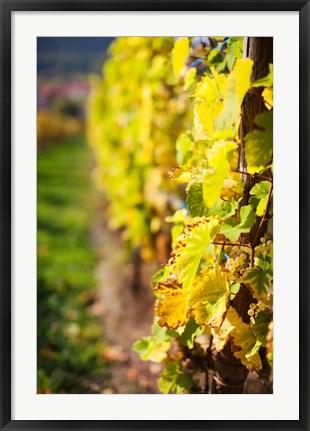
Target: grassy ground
(70,344)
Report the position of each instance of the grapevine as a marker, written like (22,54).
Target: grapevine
(136,114)
(214,295)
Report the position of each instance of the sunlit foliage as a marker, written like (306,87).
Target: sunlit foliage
(139,127)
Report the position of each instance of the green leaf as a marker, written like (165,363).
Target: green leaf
(159,333)
(179,55)
(174,380)
(197,207)
(176,231)
(209,297)
(195,201)
(191,331)
(261,191)
(142,346)
(186,256)
(237,84)
(232,230)
(234,289)
(223,209)
(261,326)
(263,264)
(179,219)
(253,201)
(214,178)
(254,350)
(150,350)
(154,348)
(266,81)
(216,58)
(184,146)
(234,51)
(160,275)
(259,143)
(258,280)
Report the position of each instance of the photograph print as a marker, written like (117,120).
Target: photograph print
(154,215)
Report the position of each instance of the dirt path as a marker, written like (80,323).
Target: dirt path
(126,316)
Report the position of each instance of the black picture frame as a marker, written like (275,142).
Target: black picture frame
(7,7)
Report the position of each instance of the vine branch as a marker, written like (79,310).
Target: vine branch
(263,177)
(226,244)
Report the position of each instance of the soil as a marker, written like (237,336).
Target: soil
(127,314)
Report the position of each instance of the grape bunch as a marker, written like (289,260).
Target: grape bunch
(265,248)
(237,258)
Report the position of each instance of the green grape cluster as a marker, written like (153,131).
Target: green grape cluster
(251,310)
(266,244)
(238,258)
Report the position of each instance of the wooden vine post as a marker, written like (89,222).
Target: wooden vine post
(229,373)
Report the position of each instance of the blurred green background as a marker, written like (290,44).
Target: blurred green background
(69,337)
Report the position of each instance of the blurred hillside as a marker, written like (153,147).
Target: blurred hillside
(63,68)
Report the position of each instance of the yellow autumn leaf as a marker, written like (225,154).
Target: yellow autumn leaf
(210,90)
(171,304)
(189,78)
(205,115)
(268,97)
(237,84)
(221,335)
(246,347)
(191,246)
(209,96)
(209,297)
(215,176)
(243,70)
(159,353)
(179,55)
(200,132)
(180,175)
